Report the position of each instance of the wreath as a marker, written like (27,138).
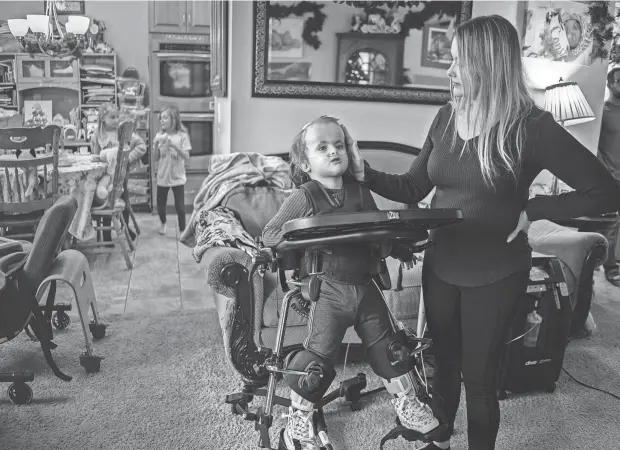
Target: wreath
(312,25)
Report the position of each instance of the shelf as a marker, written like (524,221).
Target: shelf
(76,143)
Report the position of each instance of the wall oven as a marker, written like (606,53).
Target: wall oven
(200,127)
(180,69)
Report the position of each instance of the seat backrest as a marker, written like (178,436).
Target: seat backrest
(17,175)
(48,238)
(125,131)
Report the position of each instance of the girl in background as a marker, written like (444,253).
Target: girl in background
(171,148)
(106,137)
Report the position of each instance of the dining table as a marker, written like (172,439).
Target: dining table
(78,175)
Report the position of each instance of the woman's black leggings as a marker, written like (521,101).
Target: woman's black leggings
(469,327)
(179,203)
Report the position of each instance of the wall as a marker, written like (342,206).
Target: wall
(267,125)
(126,30)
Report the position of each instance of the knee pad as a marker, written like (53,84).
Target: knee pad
(311,387)
(390,356)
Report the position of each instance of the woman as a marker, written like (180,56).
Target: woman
(482,153)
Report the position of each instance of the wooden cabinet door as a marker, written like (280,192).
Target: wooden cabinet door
(198,16)
(168,16)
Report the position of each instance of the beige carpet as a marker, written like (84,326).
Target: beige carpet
(164,379)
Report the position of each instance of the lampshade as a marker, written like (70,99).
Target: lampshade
(566,102)
(18,27)
(77,24)
(38,23)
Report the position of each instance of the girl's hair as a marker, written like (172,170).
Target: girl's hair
(175,118)
(496,98)
(298,154)
(104,110)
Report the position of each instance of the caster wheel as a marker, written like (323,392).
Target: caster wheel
(61,320)
(550,388)
(502,395)
(97,330)
(233,408)
(91,363)
(20,393)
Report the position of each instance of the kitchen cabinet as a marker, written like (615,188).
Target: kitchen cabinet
(180,16)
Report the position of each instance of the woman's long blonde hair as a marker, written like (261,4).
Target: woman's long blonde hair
(496,100)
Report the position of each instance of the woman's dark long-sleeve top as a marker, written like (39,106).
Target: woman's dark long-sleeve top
(474,252)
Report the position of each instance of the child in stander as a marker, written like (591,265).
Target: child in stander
(348,296)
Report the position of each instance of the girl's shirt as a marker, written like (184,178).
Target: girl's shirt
(171,166)
(107,140)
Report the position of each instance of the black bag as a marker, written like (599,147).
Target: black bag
(20,309)
(534,356)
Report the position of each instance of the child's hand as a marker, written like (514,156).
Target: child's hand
(356,160)
(161,140)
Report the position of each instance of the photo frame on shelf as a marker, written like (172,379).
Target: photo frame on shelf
(436,46)
(71,7)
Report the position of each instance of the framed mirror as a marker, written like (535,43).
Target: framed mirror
(385,51)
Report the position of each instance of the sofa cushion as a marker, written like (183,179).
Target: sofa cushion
(254,206)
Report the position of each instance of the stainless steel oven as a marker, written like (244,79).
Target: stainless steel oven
(200,127)
(180,69)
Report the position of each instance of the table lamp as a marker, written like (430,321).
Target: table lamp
(566,102)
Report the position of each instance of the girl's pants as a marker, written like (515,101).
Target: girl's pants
(179,196)
(469,327)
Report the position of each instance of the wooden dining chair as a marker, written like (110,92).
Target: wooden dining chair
(28,185)
(113,207)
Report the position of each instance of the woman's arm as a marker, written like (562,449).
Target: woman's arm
(410,187)
(137,147)
(596,190)
(294,207)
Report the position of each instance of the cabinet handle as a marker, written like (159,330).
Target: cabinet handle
(189,18)
(184,22)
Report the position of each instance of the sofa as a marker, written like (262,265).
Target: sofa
(248,315)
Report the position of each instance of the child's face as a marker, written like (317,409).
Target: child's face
(326,151)
(165,121)
(110,120)
(573,32)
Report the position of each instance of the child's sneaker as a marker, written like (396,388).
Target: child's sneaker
(162,229)
(414,415)
(299,427)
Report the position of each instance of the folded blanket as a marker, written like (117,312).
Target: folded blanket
(227,172)
(220,228)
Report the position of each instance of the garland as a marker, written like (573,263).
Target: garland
(411,20)
(602,29)
(312,25)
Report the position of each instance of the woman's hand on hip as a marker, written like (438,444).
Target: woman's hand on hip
(355,157)
(523,225)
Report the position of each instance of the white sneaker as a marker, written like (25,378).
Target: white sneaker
(414,414)
(162,229)
(300,427)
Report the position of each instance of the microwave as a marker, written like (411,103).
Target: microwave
(180,67)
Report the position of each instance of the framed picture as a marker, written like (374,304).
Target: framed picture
(67,7)
(289,71)
(436,46)
(37,113)
(561,31)
(285,40)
